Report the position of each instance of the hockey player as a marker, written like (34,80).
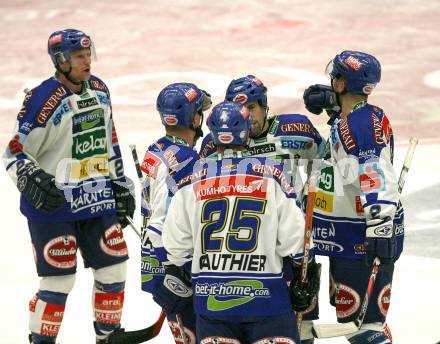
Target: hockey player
(181,107)
(290,138)
(237,217)
(65,160)
(357,213)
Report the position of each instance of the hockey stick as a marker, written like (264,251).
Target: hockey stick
(139,336)
(342,329)
(308,231)
(143,335)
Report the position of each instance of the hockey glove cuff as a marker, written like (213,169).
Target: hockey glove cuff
(380,242)
(321,97)
(124,200)
(175,294)
(39,188)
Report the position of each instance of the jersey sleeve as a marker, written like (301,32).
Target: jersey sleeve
(177,230)
(290,235)
(375,176)
(27,139)
(156,172)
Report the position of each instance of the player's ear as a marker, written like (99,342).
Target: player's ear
(339,85)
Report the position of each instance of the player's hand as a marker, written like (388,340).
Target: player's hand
(124,200)
(39,189)
(380,242)
(175,293)
(321,97)
(302,297)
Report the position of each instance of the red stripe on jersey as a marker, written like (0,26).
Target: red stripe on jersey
(240,185)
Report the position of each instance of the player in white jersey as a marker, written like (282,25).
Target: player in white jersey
(167,160)
(65,133)
(290,138)
(236,217)
(357,213)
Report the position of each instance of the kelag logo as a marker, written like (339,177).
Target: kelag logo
(222,296)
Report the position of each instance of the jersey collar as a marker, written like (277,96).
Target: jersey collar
(177,140)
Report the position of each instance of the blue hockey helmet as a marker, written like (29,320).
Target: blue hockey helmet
(360,71)
(178,103)
(61,43)
(230,123)
(247,89)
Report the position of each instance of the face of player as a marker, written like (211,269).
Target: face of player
(80,63)
(258,114)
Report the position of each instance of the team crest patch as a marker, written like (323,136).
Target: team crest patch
(383,300)
(60,252)
(347,301)
(113,242)
(175,330)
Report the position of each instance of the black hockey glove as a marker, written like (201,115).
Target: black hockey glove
(175,294)
(303,297)
(124,200)
(380,242)
(39,188)
(321,97)
(207,102)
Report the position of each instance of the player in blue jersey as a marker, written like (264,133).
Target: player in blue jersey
(180,106)
(357,213)
(65,159)
(289,138)
(234,218)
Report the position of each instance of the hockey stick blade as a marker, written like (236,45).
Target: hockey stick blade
(333,330)
(138,336)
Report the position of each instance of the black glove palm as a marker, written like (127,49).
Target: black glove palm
(39,188)
(303,297)
(124,200)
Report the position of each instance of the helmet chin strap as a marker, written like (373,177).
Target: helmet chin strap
(67,75)
(198,131)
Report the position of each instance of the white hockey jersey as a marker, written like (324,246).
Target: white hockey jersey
(72,137)
(236,219)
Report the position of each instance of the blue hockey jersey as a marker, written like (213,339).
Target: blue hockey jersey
(358,186)
(166,161)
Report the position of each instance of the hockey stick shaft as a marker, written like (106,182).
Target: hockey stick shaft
(337,330)
(308,231)
(406,164)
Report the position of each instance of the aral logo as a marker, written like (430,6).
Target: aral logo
(89,144)
(232,294)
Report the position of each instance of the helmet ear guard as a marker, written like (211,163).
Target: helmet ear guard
(361,71)
(230,123)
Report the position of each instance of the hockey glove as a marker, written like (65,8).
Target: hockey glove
(39,188)
(124,200)
(303,297)
(207,102)
(321,97)
(380,242)
(175,294)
